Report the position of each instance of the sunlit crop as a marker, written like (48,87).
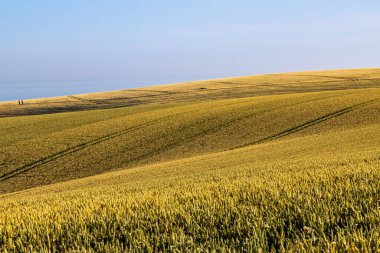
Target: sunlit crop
(296,172)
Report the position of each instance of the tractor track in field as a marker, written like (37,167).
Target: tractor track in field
(86,100)
(208,131)
(55,156)
(203,94)
(269,138)
(310,123)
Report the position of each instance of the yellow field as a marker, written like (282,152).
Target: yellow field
(292,166)
(237,87)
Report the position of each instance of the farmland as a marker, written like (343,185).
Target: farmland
(237,87)
(285,162)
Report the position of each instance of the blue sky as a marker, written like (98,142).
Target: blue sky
(50,48)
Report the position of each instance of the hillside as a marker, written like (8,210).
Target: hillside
(60,147)
(237,87)
(283,162)
(297,194)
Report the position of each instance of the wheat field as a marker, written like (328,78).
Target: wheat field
(272,163)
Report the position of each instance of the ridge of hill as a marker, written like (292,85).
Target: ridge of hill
(235,87)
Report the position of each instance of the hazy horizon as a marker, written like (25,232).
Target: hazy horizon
(60,48)
(83,87)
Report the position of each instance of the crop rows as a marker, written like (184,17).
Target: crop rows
(237,212)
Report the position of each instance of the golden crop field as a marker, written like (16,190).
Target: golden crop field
(285,162)
(237,87)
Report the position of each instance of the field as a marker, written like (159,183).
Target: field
(286,162)
(237,87)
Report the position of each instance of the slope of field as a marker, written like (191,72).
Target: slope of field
(238,87)
(313,193)
(287,162)
(52,148)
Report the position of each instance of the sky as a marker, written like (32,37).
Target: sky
(50,48)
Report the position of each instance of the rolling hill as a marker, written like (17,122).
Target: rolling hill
(237,87)
(282,162)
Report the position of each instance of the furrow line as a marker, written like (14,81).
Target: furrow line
(310,123)
(208,131)
(55,156)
